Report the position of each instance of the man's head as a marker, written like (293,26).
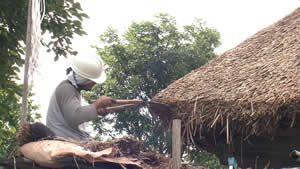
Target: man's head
(89,67)
(87,71)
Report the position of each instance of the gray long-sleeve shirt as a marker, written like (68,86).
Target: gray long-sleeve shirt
(65,112)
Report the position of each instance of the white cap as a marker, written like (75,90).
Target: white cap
(89,67)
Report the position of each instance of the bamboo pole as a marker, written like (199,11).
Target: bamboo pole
(176,144)
(27,61)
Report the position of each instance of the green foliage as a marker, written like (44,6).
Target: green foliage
(62,21)
(9,120)
(7,140)
(143,61)
(202,158)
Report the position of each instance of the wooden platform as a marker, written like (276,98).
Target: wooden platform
(69,163)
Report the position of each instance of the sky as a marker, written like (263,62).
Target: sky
(236,20)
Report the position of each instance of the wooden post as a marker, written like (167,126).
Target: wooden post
(27,61)
(176,144)
(227,129)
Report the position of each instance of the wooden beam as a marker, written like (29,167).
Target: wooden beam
(67,161)
(176,144)
(27,63)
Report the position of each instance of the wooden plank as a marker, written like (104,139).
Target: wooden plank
(20,162)
(176,144)
(68,162)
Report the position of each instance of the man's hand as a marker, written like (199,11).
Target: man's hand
(101,103)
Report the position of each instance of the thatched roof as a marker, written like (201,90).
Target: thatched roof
(253,85)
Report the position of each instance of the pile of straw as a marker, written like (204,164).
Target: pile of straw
(126,147)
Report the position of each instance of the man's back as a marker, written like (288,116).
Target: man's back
(65,112)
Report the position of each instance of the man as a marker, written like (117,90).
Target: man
(65,112)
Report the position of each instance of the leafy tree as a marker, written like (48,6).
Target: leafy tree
(197,156)
(62,21)
(144,60)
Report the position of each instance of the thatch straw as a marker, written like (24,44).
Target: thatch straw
(32,132)
(124,147)
(255,84)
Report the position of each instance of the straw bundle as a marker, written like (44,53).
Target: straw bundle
(246,90)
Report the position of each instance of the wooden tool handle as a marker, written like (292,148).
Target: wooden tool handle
(124,106)
(119,101)
(129,101)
